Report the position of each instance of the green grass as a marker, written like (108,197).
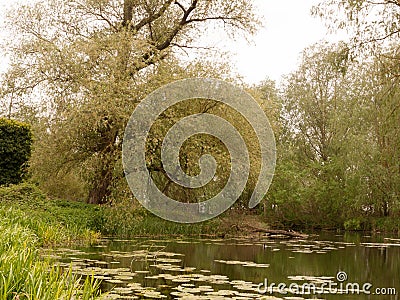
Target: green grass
(29,221)
(27,224)
(53,221)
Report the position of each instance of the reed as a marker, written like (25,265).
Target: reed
(23,273)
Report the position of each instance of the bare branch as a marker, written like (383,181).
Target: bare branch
(191,47)
(181,6)
(397,3)
(379,39)
(128,16)
(220,18)
(178,27)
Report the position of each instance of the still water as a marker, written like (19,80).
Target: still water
(323,266)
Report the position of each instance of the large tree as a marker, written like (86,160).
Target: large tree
(378,159)
(374,28)
(92,61)
(317,116)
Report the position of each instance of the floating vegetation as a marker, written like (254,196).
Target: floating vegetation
(115,281)
(169,260)
(152,272)
(243,263)
(380,245)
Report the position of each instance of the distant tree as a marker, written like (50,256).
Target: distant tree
(378,154)
(309,184)
(371,24)
(375,30)
(315,101)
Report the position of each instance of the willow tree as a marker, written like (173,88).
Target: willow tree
(378,154)
(374,27)
(369,23)
(317,113)
(90,62)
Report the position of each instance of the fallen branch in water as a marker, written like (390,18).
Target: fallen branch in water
(273,232)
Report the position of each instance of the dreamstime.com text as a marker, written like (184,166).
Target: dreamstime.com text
(325,287)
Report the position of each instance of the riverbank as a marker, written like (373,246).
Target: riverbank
(30,221)
(26,225)
(85,222)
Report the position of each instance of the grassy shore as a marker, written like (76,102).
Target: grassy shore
(26,225)
(30,221)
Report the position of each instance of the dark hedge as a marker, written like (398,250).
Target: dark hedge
(15,150)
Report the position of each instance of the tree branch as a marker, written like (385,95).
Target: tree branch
(128,7)
(178,27)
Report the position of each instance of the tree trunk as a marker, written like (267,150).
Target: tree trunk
(128,8)
(107,151)
(101,186)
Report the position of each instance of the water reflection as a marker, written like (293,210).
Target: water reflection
(234,269)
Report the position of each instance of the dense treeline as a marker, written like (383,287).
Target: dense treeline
(340,140)
(336,118)
(339,145)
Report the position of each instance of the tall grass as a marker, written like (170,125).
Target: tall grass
(23,230)
(23,275)
(125,219)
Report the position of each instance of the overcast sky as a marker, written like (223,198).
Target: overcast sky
(275,50)
(289,28)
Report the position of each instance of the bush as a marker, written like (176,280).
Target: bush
(72,221)
(386,224)
(357,224)
(15,150)
(24,194)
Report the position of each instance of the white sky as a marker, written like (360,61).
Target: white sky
(275,50)
(289,28)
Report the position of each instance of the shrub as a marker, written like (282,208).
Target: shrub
(53,221)
(25,194)
(357,224)
(15,150)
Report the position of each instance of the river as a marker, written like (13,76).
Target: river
(323,266)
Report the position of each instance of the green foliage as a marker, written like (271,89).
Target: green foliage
(24,227)
(24,275)
(92,72)
(25,194)
(338,147)
(61,222)
(52,221)
(358,224)
(15,150)
(129,219)
(335,118)
(308,188)
(386,224)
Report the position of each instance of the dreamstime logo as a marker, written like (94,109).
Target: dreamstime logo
(326,285)
(341,276)
(145,115)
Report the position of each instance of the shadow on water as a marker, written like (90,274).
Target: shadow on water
(243,268)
